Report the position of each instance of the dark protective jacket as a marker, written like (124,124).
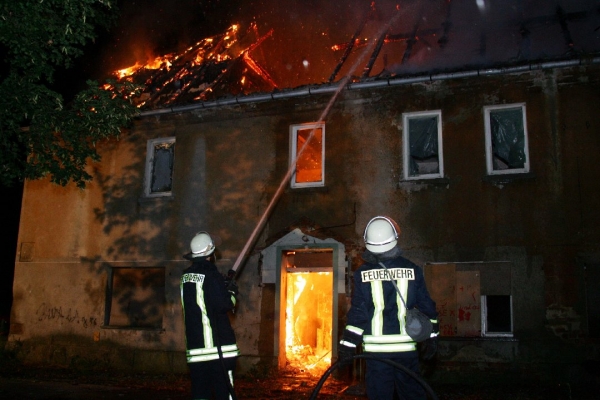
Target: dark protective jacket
(377,314)
(206,303)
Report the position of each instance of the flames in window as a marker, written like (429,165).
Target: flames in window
(309,165)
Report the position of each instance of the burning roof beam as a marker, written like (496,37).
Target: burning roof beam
(564,26)
(374,55)
(561,17)
(446,25)
(349,47)
(411,41)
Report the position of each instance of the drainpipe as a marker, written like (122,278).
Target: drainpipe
(332,87)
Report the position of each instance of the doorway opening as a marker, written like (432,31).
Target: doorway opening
(308,301)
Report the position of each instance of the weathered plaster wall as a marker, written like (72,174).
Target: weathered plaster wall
(229,162)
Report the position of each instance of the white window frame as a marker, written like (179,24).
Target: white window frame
(485,332)
(488,140)
(293,154)
(406,117)
(149,167)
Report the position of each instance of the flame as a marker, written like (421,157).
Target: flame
(308,321)
(200,71)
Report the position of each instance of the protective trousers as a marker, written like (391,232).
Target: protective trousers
(210,380)
(382,379)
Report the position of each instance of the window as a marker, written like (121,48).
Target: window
(307,154)
(472,299)
(135,297)
(422,144)
(506,145)
(159,167)
(496,315)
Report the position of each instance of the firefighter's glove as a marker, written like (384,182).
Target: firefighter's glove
(232,287)
(347,350)
(345,354)
(429,348)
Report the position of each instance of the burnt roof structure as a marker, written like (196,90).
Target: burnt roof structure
(409,43)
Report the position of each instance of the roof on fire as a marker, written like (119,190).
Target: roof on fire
(420,38)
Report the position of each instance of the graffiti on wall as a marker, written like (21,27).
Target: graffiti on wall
(47,312)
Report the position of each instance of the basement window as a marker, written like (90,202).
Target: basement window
(422,144)
(307,155)
(159,167)
(506,139)
(135,298)
(472,299)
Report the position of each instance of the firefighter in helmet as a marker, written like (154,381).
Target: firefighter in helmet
(376,316)
(207,297)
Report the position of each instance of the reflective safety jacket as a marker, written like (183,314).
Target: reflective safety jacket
(377,314)
(206,303)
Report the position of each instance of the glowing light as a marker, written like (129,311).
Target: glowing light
(308,321)
(305,63)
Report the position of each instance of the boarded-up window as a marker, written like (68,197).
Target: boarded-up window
(461,290)
(135,297)
(307,154)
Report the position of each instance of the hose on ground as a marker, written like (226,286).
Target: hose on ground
(410,373)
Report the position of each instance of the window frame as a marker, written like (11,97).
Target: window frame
(485,332)
(487,110)
(149,173)
(293,154)
(111,292)
(406,117)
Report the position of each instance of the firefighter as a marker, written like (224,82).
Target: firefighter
(376,315)
(207,298)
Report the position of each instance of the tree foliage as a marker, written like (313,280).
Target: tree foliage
(40,135)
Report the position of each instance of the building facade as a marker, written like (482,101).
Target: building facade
(491,177)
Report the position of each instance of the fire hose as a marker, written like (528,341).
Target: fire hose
(292,168)
(410,373)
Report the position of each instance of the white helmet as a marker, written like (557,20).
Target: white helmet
(381,234)
(202,245)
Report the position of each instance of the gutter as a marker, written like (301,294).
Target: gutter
(332,87)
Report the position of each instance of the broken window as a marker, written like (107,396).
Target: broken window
(159,167)
(472,299)
(307,154)
(506,139)
(422,145)
(135,297)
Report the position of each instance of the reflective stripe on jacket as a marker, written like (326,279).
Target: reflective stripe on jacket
(377,312)
(206,303)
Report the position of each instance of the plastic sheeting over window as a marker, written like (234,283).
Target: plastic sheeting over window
(162,167)
(508,139)
(423,142)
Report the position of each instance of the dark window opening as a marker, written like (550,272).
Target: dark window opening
(135,297)
(498,315)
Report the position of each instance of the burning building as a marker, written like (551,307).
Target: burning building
(478,135)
